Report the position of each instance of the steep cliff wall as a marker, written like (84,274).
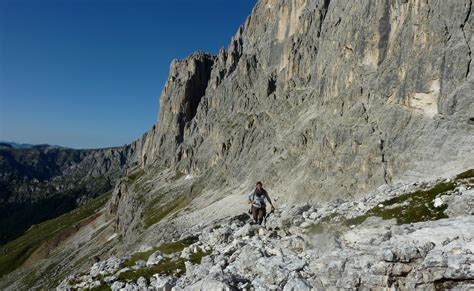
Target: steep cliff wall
(323,99)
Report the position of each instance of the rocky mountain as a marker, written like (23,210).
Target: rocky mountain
(41,182)
(347,95)
(323,100)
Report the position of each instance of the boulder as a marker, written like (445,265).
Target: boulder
(297,284)
(208,284)
(154,258)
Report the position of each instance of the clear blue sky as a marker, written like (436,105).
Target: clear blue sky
(88,74)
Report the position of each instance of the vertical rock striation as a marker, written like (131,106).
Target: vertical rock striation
(324,98)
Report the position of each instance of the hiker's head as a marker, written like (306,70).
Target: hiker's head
(258,185)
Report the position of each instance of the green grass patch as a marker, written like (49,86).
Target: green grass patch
(465,175)
(356,220)
(13,254)
(329,222)
(153,204)
(29,280)
(329,218)
(166,267)
(471,182)
(134,176)
(175,267)
(178,175)
(166,248)
(196,258)
(102,287)
(411,207)
(178,246)
(139,256)
(317,228)
(168,204)
(154,213)
(324,224)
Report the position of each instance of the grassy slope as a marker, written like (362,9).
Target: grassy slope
(155,211)
(171,201)
(167,266)
(16,218)
(14,253)
(410,207)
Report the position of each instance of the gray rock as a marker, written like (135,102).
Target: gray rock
(162,283)
(208,284)
(296,264)
(117,285)
(142,282)
(247,258)
(246,230)
(297,284)
(435,258)
(376,254)
(460,267)
(461,204)
(388,256)
(314,215)
(130,286)
(154,258)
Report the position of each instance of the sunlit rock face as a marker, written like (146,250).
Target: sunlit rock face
(324,98)
(323,101)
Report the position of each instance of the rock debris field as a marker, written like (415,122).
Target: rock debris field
(404,236)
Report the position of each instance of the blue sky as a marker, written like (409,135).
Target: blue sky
(88,74)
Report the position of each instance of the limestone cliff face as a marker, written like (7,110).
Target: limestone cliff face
(324,98)
(319,99)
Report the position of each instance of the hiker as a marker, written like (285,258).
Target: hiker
(257,199)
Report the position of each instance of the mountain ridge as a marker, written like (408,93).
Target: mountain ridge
(187,147)
(321,100)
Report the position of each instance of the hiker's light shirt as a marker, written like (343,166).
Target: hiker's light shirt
(259,198)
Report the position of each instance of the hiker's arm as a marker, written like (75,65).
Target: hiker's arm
(250,197)
(269,200)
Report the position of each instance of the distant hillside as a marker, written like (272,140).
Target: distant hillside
(39,182)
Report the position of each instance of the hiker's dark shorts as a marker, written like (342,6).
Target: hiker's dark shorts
(259,213)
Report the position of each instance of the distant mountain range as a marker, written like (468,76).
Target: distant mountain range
(15,145)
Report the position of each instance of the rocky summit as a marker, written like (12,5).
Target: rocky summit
(358,116)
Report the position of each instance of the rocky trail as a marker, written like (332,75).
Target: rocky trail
(406,236)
